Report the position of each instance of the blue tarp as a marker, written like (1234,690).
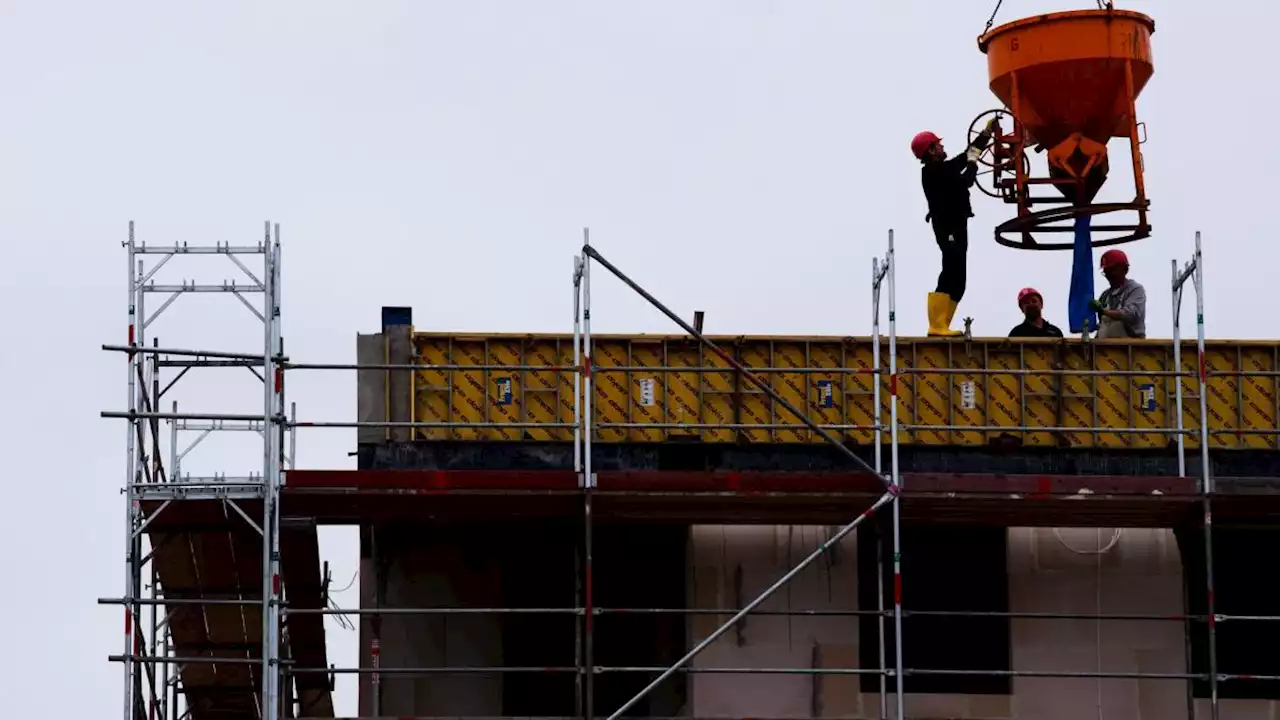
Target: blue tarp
(1081,292)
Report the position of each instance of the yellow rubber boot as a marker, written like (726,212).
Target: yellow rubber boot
(940,311)
(952,305)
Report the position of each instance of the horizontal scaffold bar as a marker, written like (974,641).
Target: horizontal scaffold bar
(184,352)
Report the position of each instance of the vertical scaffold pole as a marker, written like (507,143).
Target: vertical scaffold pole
(1197,277)
(1194,272)
(895,479)
(154,649)
(277,477)
(578,622)
(877,275)
(271,416)
(142,474)
(293,435)
(268,696)
(588,484)
(1206,475)
(1177,368)
(577,366)
(130,557)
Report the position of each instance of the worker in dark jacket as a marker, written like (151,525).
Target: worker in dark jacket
(946,188)
(1031,303)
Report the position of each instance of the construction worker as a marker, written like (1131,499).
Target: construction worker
(1122,308)
(1031,303)
(946,188)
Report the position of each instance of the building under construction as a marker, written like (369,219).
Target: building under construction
(683,526)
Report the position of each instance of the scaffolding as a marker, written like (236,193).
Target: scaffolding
(153,674)
(155,485)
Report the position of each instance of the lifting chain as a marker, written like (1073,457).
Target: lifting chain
(1102,5)
(992,20)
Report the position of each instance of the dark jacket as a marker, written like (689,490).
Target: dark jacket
(1029,330)
(946,185)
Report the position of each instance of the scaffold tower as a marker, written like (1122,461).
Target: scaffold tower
(180,584)
(205,578)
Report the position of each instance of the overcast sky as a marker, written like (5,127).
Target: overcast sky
(741,157)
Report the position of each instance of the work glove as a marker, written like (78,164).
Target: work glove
(1094,305)
(972,154)
(991,124)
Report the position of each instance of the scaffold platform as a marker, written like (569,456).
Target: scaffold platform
(208,559)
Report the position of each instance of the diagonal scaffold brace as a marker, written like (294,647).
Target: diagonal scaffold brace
(891,488)
(734,364)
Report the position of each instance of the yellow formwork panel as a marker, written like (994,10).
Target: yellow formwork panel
(951,393)
(489,396)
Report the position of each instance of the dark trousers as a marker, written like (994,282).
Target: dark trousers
(953,241)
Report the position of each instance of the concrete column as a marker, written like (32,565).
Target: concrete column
(386,395)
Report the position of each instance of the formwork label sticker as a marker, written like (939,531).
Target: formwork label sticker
(504,390)
(968,396)
(647,394)
(826,394)
(1147,397)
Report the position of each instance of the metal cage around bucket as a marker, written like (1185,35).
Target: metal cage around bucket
(1069,82)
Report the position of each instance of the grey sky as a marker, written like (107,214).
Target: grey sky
(744,158)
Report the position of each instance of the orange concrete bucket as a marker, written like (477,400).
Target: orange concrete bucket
(1067,72)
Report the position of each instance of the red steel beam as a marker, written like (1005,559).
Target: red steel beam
(462,481)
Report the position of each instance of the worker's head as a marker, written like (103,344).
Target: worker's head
(927,146)
(1030,303)
(1115,266)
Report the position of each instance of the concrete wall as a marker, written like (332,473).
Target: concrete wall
(1141,574)
(514,565)
(421,571)
(727,566)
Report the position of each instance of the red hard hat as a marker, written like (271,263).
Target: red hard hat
(1114,257)
(1027,292)
(921,143)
